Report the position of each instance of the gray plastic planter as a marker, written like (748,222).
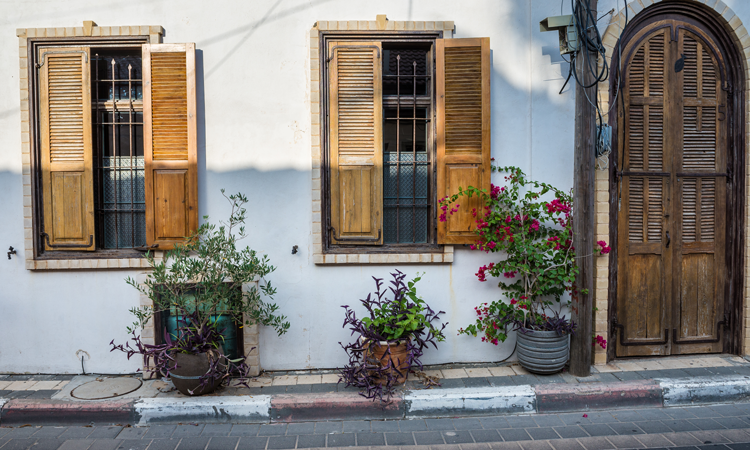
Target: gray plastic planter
(543,352)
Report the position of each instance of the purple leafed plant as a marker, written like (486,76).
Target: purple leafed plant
(404,318)
(192,338)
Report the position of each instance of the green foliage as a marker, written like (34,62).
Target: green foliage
(205,277)
(534,236)
(402,317)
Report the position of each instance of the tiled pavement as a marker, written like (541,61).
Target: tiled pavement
(716,427)
(450,376)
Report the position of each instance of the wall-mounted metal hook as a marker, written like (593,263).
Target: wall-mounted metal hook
(295,249)
(11,251)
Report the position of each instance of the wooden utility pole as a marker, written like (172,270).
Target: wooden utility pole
(583,205)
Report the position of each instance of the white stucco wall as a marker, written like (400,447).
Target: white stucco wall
(254,137)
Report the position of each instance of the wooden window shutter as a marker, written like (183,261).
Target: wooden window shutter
(356,142)
(463,130)
(170,143)
(66,153)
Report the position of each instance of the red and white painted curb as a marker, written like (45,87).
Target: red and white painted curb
(525,399)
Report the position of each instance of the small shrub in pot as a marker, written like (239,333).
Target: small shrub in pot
(390,339)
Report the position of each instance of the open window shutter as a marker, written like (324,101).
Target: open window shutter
(356,143)
(67,168)
(463,130)
(170,143)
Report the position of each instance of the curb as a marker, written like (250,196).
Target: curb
(285,408)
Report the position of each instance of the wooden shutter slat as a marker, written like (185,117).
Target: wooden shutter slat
(170,143)
(66,151)
(463,130)
(356,143)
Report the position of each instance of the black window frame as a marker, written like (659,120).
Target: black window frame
(385,38)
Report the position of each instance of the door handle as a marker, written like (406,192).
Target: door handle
(668,239)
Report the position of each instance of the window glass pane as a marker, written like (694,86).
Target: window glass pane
(111,66)
(400,65)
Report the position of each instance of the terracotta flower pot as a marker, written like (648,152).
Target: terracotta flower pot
(190,368)
(398,357)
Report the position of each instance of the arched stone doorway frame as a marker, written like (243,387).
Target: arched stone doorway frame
(606,216)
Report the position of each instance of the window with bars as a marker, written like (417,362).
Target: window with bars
(119,165)
(406,124)
(116,147)
(407,120)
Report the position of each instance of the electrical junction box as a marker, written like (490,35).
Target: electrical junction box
(567,29)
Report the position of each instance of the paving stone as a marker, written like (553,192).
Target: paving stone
(707,424)
(457,437)
(722,370)
(131,433)
(222,443)
(743,446)
(311,441)
(535,445)
(681,439)
(246,430)
(652,414)
(318,388)
(494,422)
(41,394)
(156,444)
(476,382)
(479,373)
(159,431)
(76,444)
(627,416)
(505,446)
(431,437)
(513,434)
(608,378)
(653,440)
(727,410)
(521,422)
(385,425)
(566,444)
(627,376)
(451,383)
(18,444)
(598,429)
(574,419)
(467,424)
(525,379)
(194,443)
(413,425)
(370,439)
(679,413)
(49,444)
(548,420)
(732,422)
(475,446)
(17,394)
(439,424)
(550,379)
(625,442)
(76,433)
(600,417)
(398,439)
(596,443)
(271,390)
(136,444)
(653,426)
(45,432)
(186,431)
(624,428)
(486,435)
(274,429)
(105,432)
(545,433)
(295,428)
(571,431)
(710,437)
(703,412)
(329,427)
(340,440)
(282,442)
(681,425)
(299,389)
(501,381)
(735,435)
(252,443)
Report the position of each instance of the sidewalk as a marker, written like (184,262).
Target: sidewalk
(465,390)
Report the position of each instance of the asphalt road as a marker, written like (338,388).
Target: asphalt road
(706,427)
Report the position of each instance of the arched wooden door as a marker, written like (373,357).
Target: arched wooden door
(672,188)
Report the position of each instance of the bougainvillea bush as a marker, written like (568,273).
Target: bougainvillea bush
(401,317)
(528,225)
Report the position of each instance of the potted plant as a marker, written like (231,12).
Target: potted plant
(390,339)
(200,284)
(529,224)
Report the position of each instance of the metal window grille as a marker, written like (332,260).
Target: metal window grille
(118,157)
(407,104)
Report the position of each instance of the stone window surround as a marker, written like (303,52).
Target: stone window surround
(153,34)
(319,256)
(740,35)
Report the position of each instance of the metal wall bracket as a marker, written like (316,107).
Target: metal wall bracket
(722,323)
